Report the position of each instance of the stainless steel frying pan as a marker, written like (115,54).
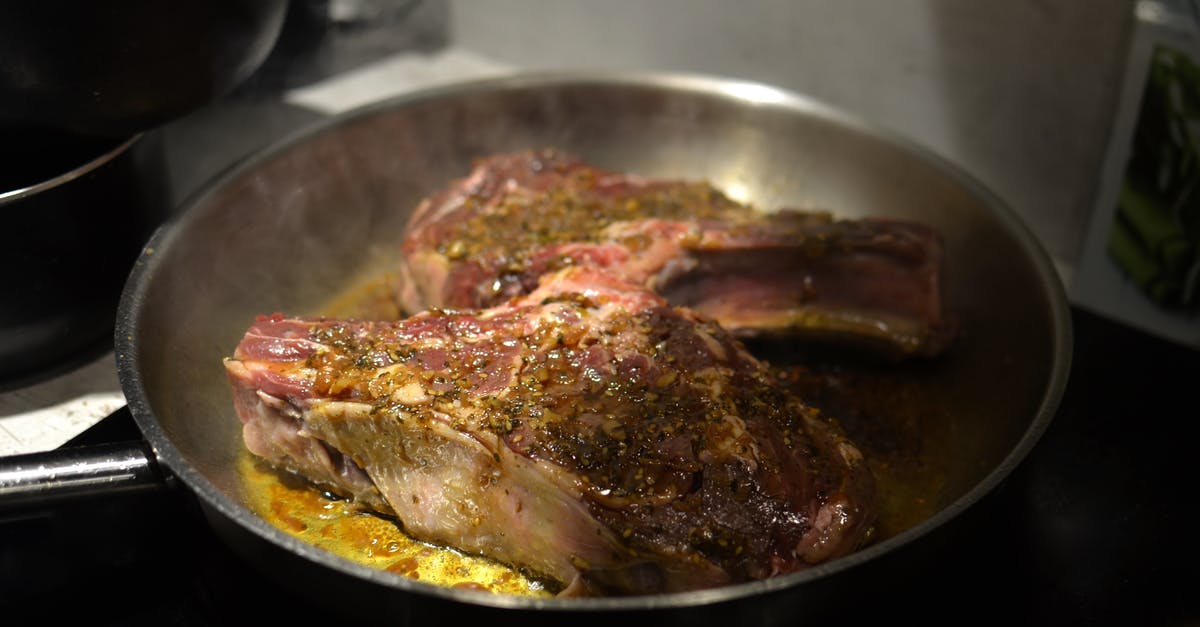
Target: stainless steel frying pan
(293,226)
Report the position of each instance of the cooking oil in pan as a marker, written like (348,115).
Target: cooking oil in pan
(335,525)
(897,422)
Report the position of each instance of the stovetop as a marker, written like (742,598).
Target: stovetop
(1096,526)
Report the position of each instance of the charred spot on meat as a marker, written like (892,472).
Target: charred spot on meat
(491,235)
(587,431)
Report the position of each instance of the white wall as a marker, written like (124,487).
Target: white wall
(1018,92)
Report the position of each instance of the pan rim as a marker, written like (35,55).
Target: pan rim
(738,91)
(117,148)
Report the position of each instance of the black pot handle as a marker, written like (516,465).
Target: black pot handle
(65,474)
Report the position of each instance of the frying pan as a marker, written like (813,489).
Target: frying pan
(291,227)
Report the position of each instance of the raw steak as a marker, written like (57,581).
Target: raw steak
(491,235)
(587,432)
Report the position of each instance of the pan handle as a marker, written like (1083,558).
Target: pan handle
(53,477)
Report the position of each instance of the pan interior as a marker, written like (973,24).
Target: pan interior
(307,221)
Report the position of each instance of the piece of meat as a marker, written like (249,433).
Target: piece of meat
(587,432)
(490,236)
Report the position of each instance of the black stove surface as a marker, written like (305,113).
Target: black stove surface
(1096,526)
(138,559)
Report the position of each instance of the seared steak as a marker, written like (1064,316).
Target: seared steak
(491,235)
(588,432)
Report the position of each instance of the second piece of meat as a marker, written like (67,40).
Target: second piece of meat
(491,236)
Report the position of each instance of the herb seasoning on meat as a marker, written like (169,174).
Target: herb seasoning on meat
(588,432)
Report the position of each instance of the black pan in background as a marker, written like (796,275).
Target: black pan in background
(74,213)
(115,69)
